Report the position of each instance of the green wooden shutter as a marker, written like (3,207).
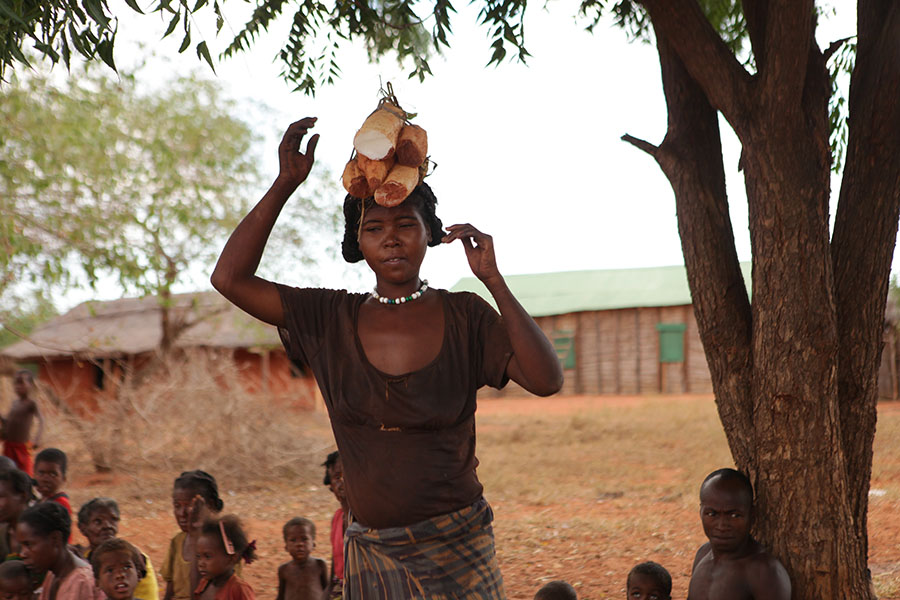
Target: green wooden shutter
(671,342)
(564,344)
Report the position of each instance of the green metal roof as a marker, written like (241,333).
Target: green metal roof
(544,294)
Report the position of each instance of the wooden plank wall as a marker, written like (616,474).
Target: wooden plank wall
(617,352)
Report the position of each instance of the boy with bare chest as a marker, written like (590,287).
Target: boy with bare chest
(303,577)
(15,427)
(732,565)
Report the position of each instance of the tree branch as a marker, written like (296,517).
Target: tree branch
(756,14)
(691,157)
(788,35)
(641,144)
(705,56)
(835,46)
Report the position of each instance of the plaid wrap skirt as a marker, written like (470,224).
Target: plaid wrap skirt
(446,557)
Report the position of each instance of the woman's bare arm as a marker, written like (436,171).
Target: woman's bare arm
(235,273)
(534,364)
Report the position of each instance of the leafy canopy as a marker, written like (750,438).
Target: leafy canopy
(102,179)
(60,29)
(119,181)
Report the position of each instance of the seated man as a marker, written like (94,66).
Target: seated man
(732,564)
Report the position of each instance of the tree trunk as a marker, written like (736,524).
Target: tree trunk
(795,374)
(865,230)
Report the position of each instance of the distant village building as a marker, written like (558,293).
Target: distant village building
(622,331)
(76,354)
(628,331)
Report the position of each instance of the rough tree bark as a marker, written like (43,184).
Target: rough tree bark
(795,372)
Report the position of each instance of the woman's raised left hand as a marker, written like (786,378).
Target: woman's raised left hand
(479,250)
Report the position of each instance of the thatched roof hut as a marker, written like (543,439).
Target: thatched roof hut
(131,326)
(76,353)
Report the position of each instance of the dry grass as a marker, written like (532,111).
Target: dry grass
(193,414)
(582,488)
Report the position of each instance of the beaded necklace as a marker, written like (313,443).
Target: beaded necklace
(414,296)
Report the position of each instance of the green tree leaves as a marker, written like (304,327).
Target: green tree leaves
(98,177)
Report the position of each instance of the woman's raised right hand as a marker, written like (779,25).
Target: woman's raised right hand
(294,166)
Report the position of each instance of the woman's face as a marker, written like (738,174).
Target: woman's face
(393,242)
(39,552)
(102,525)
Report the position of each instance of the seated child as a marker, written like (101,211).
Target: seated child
(649,581)
(15,581)
(195,498)
(556,590)
(334,479)
(50,474)
(98,521)
(732,564)
(42,532)
(221,545)
(303,577)
(117,568)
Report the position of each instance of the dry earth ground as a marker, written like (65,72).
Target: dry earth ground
(582,489)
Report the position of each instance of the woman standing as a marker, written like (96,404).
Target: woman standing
(398,369)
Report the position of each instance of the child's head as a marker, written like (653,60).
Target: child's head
(222,543)
(556,590)
(726,509)
(118,566)
(50,471)
(649,581)
(23,383)
(15,581)
(43,531)
(334,476)
(299,538)
(98,520)
(15,494)
(188,486)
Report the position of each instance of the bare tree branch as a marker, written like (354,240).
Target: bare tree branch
(641,144)
(756,13)
(707,59)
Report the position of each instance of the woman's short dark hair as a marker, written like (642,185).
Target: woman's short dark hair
(88,509)
(422,198)
(19,482)
(46,517)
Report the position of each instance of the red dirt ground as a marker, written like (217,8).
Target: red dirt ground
(591,543)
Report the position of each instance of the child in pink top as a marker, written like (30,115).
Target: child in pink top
(221,545)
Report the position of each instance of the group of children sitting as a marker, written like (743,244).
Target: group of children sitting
(203,560)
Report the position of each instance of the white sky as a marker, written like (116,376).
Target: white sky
(530,154)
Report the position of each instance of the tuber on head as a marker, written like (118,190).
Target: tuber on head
(377,138)
(412,146)
(355,181)
(400,183)
(376,171)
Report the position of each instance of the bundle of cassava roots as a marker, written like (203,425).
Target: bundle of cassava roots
(390,157)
